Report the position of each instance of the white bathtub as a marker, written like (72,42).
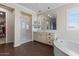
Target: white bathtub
(64,48)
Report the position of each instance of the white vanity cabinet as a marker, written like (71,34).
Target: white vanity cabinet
(44,37)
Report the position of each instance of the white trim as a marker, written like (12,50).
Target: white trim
(6,28)
(16,45)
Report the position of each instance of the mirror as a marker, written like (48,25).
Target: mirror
(53,23)
(45,23)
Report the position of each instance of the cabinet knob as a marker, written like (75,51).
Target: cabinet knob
(49,37)
(49,42)
(49,33)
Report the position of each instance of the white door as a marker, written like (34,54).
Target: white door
(26,30)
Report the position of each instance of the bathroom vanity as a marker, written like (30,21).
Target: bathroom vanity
(44,29)
(44,37)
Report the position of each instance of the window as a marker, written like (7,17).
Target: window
(73,18)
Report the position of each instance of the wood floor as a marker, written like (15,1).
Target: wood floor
(27,49)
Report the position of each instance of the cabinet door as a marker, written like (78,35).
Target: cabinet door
(37,36)
(50,38)
(43,37)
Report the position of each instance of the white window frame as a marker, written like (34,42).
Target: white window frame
(76,28)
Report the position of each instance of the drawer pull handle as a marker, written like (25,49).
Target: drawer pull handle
(49,37)
(49,33)
(49,42)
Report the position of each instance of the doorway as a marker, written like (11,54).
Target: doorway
(7,20)
(2,27)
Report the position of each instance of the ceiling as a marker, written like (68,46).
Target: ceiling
(41,7)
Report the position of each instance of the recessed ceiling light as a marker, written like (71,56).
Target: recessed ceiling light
(49,15)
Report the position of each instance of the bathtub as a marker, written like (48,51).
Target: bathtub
(65,48)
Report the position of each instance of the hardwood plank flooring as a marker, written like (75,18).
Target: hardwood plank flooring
(27,49)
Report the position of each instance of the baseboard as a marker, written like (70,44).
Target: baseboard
(16,45)
(9,41)
(42,43)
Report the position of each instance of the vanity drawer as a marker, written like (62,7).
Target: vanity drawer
(50,36)
(50,42)
(50,33)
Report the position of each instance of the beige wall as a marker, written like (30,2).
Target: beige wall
(10,26)
(62,30)
(17,28)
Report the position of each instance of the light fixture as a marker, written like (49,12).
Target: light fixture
(1,13)
(49,16)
